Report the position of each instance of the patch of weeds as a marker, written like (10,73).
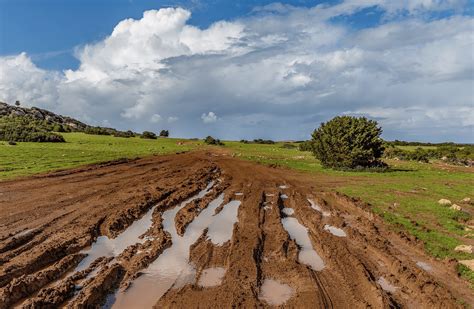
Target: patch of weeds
(466,273)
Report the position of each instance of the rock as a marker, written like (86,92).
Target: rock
(468,263)
(466,200)
(444,201)
(463,248)
(455,207)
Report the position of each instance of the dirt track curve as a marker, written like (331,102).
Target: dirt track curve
(67,239)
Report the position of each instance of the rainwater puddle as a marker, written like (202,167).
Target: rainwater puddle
(288,211)
(274,292)
(424,266)
(284,196)
(283,187)
(23,233)
(316,207)
(172,268)
(299,233)
(239,193)
(222,227)
(335,231)
(211,277)
(107,247)
(386,286)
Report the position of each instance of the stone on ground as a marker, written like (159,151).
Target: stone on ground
(444,201)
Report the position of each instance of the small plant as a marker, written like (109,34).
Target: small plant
(263,141)
(212,141)
(148,135)
(348,143)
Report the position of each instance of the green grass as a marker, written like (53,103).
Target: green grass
(412,148)
(80,149)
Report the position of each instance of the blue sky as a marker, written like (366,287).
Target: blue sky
(242,69)
(49,30)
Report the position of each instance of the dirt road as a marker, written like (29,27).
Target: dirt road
(206,230)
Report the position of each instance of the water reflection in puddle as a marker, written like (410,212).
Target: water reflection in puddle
(211,277)
(386,286)
(335,231)
(274,292)
(288,211)
(222,226)
(107,247)
(283,187)
(172,268)
(316,207)
(283,196)
(299,233)
(239,193)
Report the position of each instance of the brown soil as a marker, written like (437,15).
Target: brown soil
(46,220)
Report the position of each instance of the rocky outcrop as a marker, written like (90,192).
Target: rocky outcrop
(41,114)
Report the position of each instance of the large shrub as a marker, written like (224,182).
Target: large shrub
(212,141)
(348,142)
(148,134)
(164,133)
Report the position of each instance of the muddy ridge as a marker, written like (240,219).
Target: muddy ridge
(165,231)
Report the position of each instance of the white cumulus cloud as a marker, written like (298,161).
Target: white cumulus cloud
(276,73)
(209,117)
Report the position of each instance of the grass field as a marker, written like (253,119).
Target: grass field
(79,149)
(405,197)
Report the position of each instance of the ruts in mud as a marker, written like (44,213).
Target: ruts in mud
(168,230)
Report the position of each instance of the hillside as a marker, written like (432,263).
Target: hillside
(42,115)
(22,124)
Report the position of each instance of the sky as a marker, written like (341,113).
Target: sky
(244,69)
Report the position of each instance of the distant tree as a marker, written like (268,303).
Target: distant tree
(348,142)
(17,103)
(164,133)
(212,141)
(148,134)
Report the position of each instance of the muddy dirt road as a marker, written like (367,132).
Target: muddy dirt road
(205,230)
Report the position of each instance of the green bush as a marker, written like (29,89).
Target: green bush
(27,129)
(305,146)
(288,146)
(263,141)
(97,131)
(148,134)
(212,141)
(125,134)
(164,133)
(347,142)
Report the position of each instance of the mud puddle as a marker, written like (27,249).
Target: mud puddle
(220,230)
(335,230)
(211,277)
(274,292)
(318,208)
(424,266)
(386,286)
(106,247)
(172,268)
(299,233)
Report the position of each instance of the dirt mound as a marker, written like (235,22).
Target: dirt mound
(221,231)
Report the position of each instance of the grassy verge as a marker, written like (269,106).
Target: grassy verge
(80,149)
